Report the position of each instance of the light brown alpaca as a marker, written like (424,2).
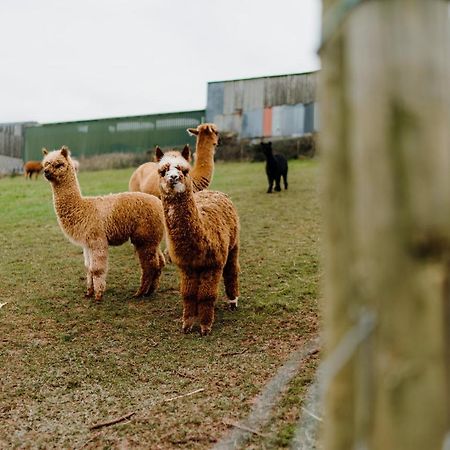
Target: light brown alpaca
(96,222)
(145,178)
(202,230)
(31,167)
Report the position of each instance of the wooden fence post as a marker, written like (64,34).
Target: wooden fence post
(385,142)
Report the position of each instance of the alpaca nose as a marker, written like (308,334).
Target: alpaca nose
(174,177)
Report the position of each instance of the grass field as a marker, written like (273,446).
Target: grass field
(67,363)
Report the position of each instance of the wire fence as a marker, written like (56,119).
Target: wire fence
(306,435)
(307,430)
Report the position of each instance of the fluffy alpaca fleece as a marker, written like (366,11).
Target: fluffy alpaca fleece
(145,178)
(31,167)
(96,222)
(202,230)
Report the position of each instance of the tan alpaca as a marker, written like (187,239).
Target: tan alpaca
(96,222)
(145,178)
(202,230)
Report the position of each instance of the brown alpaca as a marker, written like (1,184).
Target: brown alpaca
(145,178)
(202,230)
(96,222)
(31,167)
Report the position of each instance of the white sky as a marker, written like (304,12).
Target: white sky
(67,60)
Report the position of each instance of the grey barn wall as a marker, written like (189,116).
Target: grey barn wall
(12,142)
(12,137)
(275,106)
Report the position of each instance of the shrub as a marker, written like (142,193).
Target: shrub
(113,161)
(230,148)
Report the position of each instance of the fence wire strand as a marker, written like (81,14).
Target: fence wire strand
(306,434)
(262,410)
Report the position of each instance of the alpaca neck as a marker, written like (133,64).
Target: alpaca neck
(204,163)
(270,157)
(183,220)
(66,198)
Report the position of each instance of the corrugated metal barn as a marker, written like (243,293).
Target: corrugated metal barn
(123,134)
(267,107)
(276,106)
(12,137)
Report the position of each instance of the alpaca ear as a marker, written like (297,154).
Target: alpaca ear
(186,153)
(65,151)
(159,153)
(44,151)
(192,131)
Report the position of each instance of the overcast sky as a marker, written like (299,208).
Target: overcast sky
(67,60)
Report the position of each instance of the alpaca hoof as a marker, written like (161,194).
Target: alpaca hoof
(187,328)
(153,287)
(233,304)
(139,293)
(269,192)
(89,293)
(149,293)
(278,189)
(204,331)
(98,297)
(144,292)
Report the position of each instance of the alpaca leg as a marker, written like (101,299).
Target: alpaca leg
(89,280)
(160,263)
(207,294)
(145,258)
(269,191)
(206,316)
(166,253)
(190,313)
(152,262)
(285,180)
(167,257)
(189,289)
(277,183)
(231,277)
(99,268)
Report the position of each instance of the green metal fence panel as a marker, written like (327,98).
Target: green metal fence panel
(125,134)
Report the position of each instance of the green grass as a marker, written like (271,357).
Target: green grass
(67,363)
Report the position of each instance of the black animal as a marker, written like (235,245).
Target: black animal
(276,167)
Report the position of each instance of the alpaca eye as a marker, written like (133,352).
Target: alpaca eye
(59,165)
(185,171)
(162,172)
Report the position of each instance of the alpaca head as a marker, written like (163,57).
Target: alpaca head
(173,169)
(57,164)
(266,148)
(206,131)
